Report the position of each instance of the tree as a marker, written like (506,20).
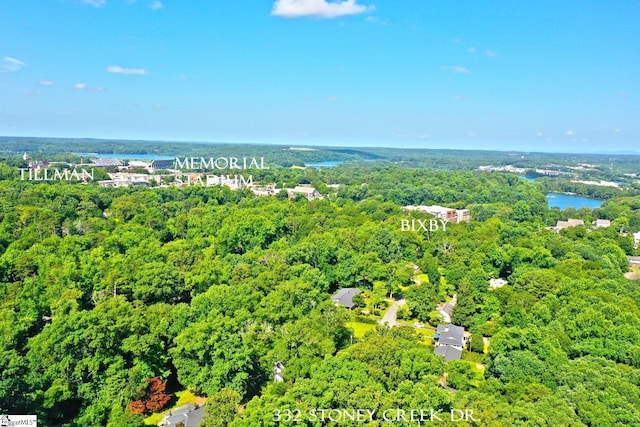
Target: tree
(212,354)
(477,343)
(421,300)
(221,408)
(154,399)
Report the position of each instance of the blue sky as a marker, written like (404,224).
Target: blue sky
(542,75)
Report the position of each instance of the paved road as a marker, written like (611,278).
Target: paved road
(445,309)
(391,314)
(445,316)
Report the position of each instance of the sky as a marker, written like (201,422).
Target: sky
(543,75)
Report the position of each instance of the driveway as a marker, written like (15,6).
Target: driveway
(446,310)
(390,316)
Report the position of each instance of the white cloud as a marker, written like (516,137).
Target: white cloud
(9,64)
(423,136)
(491,53)
(156,5)
(569,133)
(374,20)
(96,3)
(472,50)
(318,8)
(455,69)
(86,87)
(332,99)
(46,83)
(131,71)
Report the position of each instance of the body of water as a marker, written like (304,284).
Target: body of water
(527,178)
(328,164)
(126,156)
(563,201)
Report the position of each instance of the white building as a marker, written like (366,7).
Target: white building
(267,190)
(601,223)
(444,213)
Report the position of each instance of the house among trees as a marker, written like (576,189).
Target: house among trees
(561,225)
(444,213)
(267,190)
(601,223)
(636,239)
(344,297)
(307,191)
(189,415)
(450,340)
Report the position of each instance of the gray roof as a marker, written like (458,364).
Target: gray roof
(344,297)
(451,335)
(190,415)
(184,409)
(449,352)
(106,162)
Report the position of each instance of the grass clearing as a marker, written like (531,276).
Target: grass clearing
(473,357)
(184,397)
(359,329)
(426,335)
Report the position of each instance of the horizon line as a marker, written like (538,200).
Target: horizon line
(495,150)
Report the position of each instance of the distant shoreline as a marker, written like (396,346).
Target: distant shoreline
(302,145)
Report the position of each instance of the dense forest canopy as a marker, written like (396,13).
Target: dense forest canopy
(106,293)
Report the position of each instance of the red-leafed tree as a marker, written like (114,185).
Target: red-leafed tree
(154,399)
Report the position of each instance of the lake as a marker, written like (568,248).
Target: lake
(564,201)
(327,164)
(126,156)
